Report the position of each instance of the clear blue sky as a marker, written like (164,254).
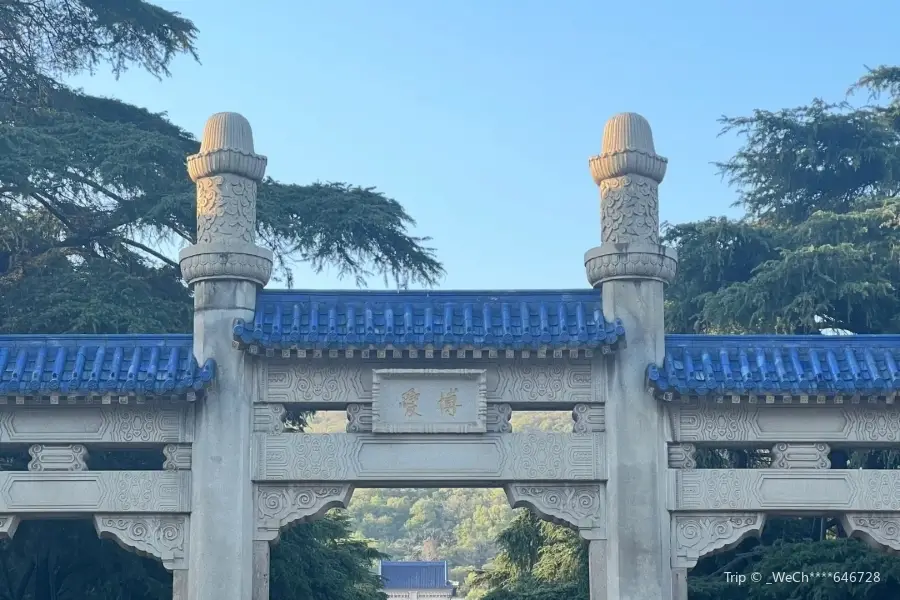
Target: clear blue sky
(479,115)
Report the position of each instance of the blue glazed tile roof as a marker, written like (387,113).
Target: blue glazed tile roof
(100,364)
(491,319)
(787,365)
(415,575)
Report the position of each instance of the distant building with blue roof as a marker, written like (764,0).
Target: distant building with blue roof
(416,580)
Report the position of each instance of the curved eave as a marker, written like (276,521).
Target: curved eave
(772,366)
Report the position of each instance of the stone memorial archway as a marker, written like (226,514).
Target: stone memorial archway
(428,381)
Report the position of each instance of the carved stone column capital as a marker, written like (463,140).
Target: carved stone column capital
(630,261)
(628,172)
(226,172)
(577,505)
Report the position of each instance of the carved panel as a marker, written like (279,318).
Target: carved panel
(576,505)
(712,422)
(96,425)
(682,456)
(163,537)
(881,530)
(269,418)
(69,457)
(314,383)
(525,384)
(410,459)
(498,418)
(95,491)
(429,401)
(695,535)
(178,457)
(8,526)
(359,418)
(800,456)
(588,418)
(794,491)
(281,505)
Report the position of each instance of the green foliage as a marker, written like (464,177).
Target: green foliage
(93,198)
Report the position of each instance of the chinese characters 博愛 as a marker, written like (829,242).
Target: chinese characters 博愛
(409,400)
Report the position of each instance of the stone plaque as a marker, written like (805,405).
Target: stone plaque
(429,401)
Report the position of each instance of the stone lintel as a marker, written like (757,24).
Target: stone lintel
(784,491)
(410,460)
(86,492)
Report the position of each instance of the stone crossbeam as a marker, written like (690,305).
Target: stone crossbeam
(414,460)
(854,425)
(70,493)
(784,491)
(97,425)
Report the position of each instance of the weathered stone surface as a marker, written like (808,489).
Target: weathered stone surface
(95,491)
(163,537)
(97,425)
(784,491)
(404,460)
(523,384)
(697,535)
(725,423)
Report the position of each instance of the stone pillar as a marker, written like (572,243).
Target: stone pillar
(631,268)
(224,268)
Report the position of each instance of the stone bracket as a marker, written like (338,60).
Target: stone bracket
(697,535)
(163,537)
(880,530)
(57,457)
(578,505)
(8,526)
(281,505)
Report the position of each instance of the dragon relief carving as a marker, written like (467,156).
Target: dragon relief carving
(281,505)
(695,536)
(163,537)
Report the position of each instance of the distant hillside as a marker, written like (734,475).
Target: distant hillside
(457,525)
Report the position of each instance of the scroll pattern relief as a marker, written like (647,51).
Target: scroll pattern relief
(269,418)
(95,492)
(629,210)
(530,456)
(520,383)
(69,457)
(881,530)
(800,456)
(581,506)
(226,209)
(281,505)
(798,490)
(697,535)
(359,418)
(712,422)
(163,537)
(97,424)
(178,457)
(588,418)
(8,526)
(682,456)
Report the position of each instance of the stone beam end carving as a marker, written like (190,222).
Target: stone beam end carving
(163,537)
(697,535)
(581,506)
(880,530)
(281,505)
(8,526)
